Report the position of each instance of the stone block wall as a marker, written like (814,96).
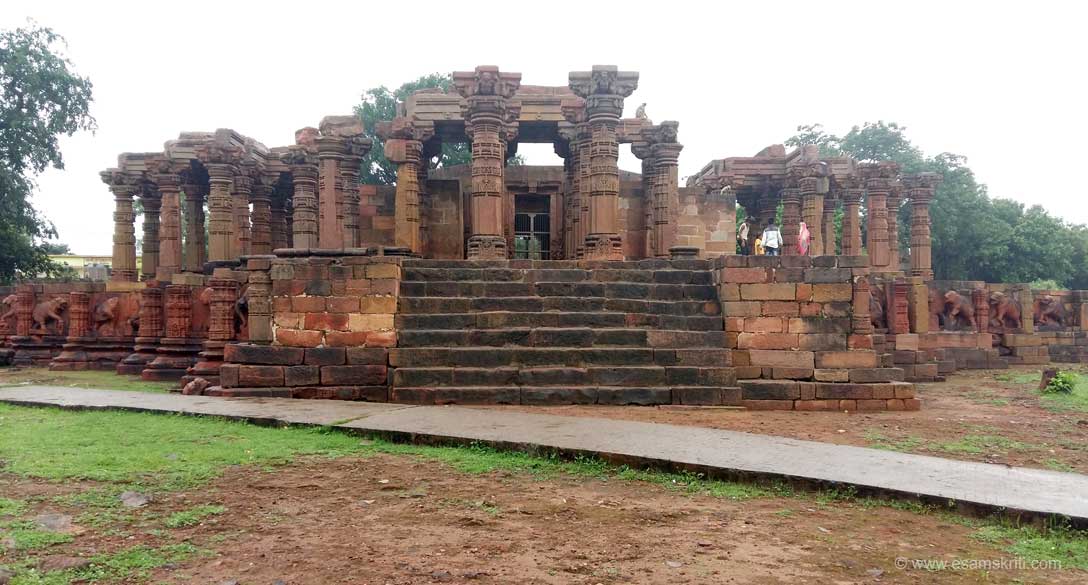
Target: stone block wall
(331,324)
(800,334)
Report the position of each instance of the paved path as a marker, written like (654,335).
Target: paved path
(975,485)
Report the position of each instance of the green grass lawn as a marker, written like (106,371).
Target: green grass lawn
(117,451)
(107,380)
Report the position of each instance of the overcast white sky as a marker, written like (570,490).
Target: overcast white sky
(1002,83)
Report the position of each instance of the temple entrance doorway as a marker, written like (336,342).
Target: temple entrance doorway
(532,227)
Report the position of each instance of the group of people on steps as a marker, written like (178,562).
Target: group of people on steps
(770,241)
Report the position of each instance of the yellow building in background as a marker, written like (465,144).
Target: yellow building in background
(89,267)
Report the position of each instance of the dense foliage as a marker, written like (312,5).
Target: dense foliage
(41,98)
(380,104)
(975,236)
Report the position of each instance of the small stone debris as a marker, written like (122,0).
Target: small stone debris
(874,572)
(134,499)
(441,576)
(674,564)
(705,543)
(54,522)
(62,563)
(229,582)
(822,529)
(196,387)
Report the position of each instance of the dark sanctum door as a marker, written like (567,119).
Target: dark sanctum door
(532,227)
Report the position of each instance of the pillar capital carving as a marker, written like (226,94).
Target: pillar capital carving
(603,88)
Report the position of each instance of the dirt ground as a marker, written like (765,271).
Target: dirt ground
(401,520)
(994,416)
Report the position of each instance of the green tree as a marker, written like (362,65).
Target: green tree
(382,104)
(974,236)
(41,98)
(56,248)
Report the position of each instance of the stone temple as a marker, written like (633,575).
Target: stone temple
(273,272)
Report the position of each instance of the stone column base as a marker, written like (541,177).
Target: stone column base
(487,248)
(175,356)
(208,365)
(144,352)
(678,252)
(603,247)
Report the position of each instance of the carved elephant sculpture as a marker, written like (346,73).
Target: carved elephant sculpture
(49,311)
(1049,311)
(7,319)
(877,314)
(105,316)
(959,312)
(1005,312)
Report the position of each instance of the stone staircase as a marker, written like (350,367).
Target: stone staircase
(560,332)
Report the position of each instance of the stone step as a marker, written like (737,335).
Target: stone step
(613,290)
(591,265)
(612,395)
(558,337)
(509,319)
(448,305)
(571,357)
(564,376)
(570,275)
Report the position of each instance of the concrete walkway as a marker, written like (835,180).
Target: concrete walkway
(982,486)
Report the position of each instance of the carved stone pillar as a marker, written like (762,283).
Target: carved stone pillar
(604,89)
(24,310)
(349,177)
(195,245)
(170,214)
(150,331)
(828,223)
(223,296)
(895,198)
(124,232)
(304,202)
(490,122)
(177,350)
(666,189)
(584,166)
(791,219)
(406,154)
(878,181)
(859,316)
(330,149)
(281,236)
(259,301)
(241,195)
(220,213)
(261,242)
(641,150)
(73,355)
(152,205)
(812,210)
(851,219)
(920,190)
(980,298)
(564,147)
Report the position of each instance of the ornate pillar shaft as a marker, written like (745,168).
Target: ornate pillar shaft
(221,309)
(262,218)
(859,317)
(220,213)
(895,197)
(259,302)
(240,200)
(79,314)
(406,153)
(488,187)
(851,222)
(170,230)
(179,311)
(150,315)
(829,225)
(152,206)
(195,246)
(649,176)
(24,307)
(570,202)
(921,188)
(124,234)
(584,166)
(791,220)
(812,210)
(349,176)
(330,150)
(878,182)
(304,207)
(666,196)
(281,237)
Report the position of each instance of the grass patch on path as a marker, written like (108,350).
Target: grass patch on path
(106,380)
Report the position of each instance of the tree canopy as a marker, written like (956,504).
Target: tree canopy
(380,104)
(41,98)
(975,236)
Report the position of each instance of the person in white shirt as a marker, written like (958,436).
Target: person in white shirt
(772,240)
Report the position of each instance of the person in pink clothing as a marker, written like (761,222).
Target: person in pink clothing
(804,238)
